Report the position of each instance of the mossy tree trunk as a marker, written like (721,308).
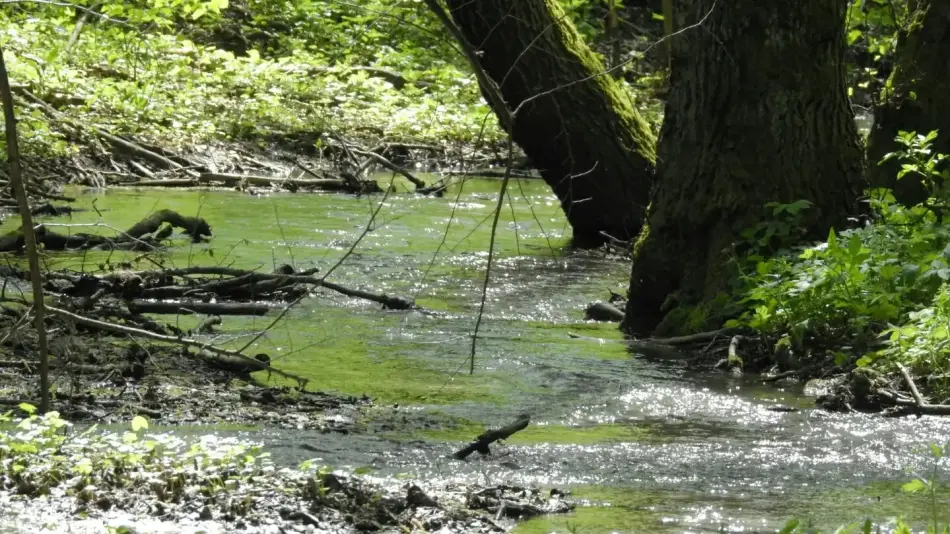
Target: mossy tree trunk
(757,112)
(575,123)
(917,96)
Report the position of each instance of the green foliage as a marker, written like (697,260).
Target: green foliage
(259,70)
(919,161)
(889,279)
(872,33)
(41,456)
(584,15)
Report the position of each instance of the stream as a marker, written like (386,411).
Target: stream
(650,445)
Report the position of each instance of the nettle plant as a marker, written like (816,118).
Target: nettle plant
(918,161)
(861,282)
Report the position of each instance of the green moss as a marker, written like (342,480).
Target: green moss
(349,368)
(593,520)
(602,510)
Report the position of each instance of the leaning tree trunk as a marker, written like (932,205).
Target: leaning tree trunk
(917,97)
(757,112)
(575,122)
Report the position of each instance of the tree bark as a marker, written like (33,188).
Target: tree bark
(584,134)
(917,97)
(757,112)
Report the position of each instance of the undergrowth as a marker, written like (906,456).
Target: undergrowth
(873,296)
(154,75)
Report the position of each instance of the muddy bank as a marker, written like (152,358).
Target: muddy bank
(821,370)
(145,482)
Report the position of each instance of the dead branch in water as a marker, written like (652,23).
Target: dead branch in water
(183,341)
(482,442)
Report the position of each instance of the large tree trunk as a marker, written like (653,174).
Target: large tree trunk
(757,112)
(917,97)
(584,134)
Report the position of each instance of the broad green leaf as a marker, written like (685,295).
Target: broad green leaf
(914,486)
(790,527)
(139,423)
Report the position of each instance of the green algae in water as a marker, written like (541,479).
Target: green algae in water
(341,345)
(604,509)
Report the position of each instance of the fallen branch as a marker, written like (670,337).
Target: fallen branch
(128,146)
(388,301)
(910,385)
(135,332)
(696,338)
(482,442)
(192,307)
(392,166)
(133,238)
(918,403)
(780,376)
(603,311)
(228,362)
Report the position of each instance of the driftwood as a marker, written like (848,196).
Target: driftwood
(189,307)
(603,311)
(377,158)
(233,364)
(252,281)
(135,237)
(206,326)
(919,404)
(700,337)
(242,285)
(186,342)
(482,442)
(328,184)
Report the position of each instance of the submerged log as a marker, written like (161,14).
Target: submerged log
(482,442)
(603,311)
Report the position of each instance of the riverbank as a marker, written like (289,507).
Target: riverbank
(136,480)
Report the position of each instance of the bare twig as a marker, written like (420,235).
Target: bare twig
(29,237)
(136,332)
(391,166)
(911,386)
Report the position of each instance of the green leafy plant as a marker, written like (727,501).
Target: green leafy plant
(886,280)
(918,160)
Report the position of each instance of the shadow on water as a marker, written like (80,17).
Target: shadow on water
(670,448)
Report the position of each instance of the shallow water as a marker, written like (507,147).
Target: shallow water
(671,449)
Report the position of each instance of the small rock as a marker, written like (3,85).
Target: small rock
(205,514)
(416,497)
